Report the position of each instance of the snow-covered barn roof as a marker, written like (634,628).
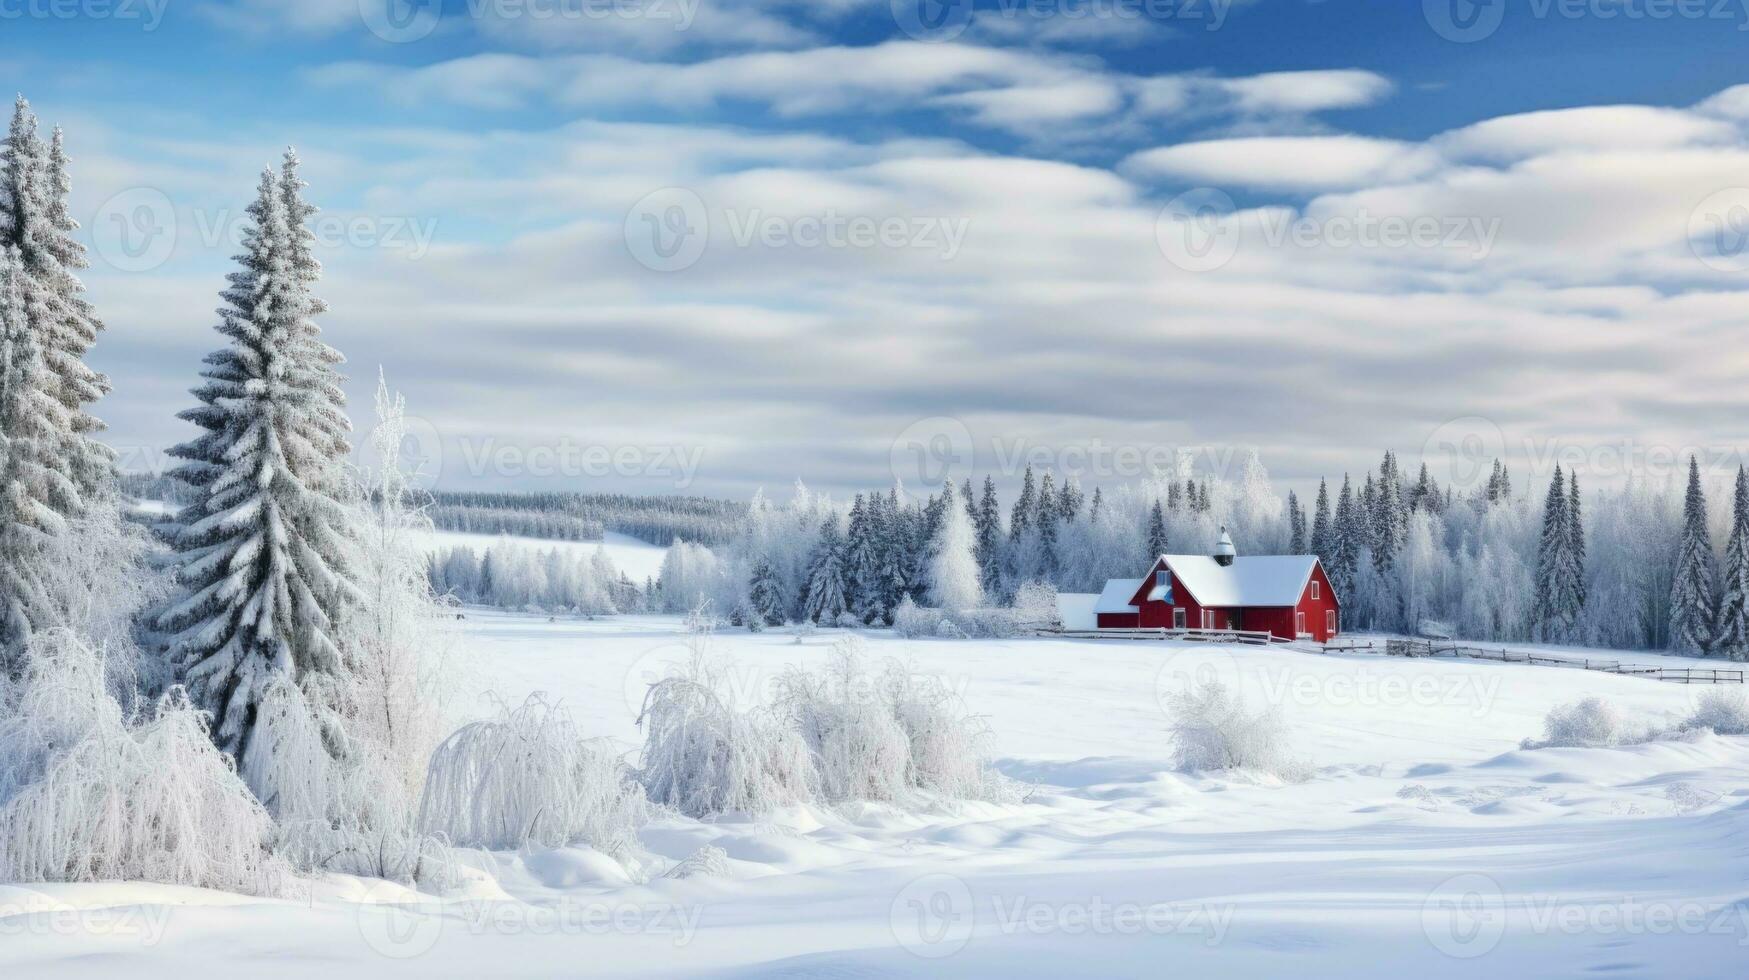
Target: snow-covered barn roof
(1117,595)
(1257,580)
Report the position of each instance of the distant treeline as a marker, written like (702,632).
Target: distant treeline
(584,516)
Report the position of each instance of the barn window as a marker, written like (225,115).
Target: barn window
(1163,585)
(1314,588)
(1178,619)
(1299,623)
(1330,621)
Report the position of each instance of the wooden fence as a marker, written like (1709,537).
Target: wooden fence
(1675,675)
(1251,637)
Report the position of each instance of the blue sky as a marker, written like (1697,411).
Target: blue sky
(1566,189)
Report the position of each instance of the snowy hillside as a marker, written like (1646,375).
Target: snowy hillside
(1423,841)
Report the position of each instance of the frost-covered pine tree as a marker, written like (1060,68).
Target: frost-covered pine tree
(1348,535)
(1321,538)
(1692,602)
(51,469)
(1157,541)
(1556,567)
(1578,589)
(1047,524)
(264,554)
(1732,636)
(826,589)
(34,492)
(1025,508)
(989,526)
(765,593)
(953,574)
(1296,520)
(36,220)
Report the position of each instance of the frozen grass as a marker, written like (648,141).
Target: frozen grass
(1212,731)
(831,736)
(855,743)
(704,758)
(88,793)
(1723,710)
(1588,724)
(529,778)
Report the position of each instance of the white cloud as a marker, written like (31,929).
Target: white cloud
(1616,127)
(1059,319)
(1294,163)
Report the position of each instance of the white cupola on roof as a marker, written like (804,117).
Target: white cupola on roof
(1224,551)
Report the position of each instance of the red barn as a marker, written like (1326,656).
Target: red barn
(1287,595)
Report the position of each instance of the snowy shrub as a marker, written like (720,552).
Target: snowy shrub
(338,802)
(1724,711)
(858,749)
(704,758)
(528,777)
(949,749)
(947,629)
(912,621)
(848,621)
(1590,723)
(1213,731)
(894,737)
(1035,604)
(88,793)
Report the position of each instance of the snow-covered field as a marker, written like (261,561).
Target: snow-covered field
(1425,842)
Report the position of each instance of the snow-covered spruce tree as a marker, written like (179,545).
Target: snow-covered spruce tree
(1157,541)
(765,593)
(1732,636)
(1320,542)
(32,488)
(953,574)
(35,218)
(51,470)
(1296,520)
(263,556)
(989,526)
(1578,587)
(1025,508)
(1346,543)
(1692,595)
(826,588)
(1557,568)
